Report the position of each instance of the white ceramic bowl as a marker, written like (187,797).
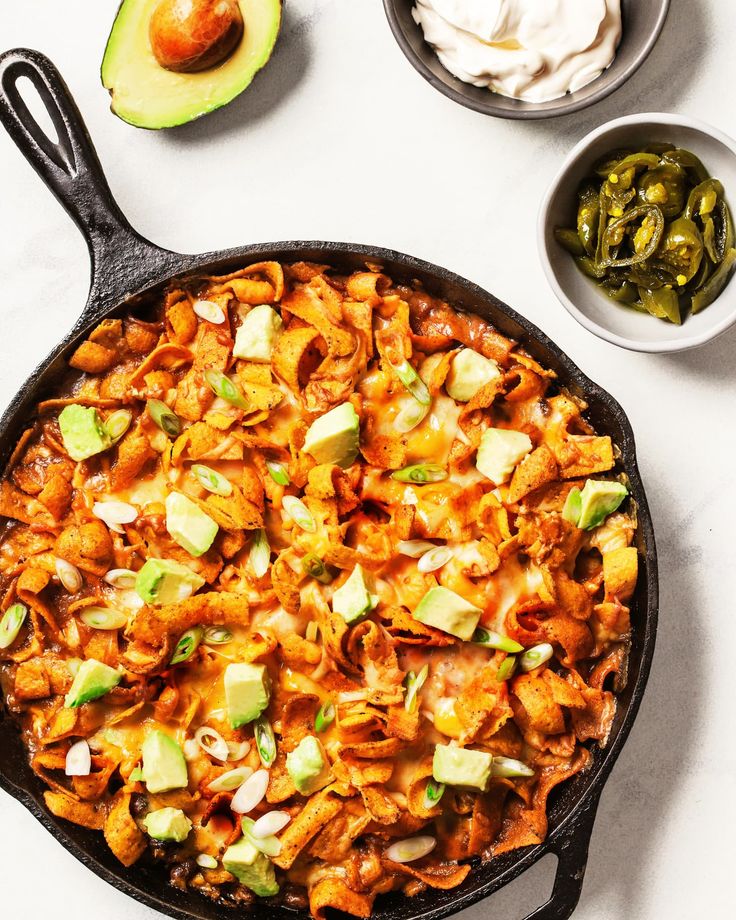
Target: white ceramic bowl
(579,294)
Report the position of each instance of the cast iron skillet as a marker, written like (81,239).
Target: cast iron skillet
(126,271)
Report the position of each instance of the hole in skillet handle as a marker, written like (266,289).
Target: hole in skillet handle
(59,162)
(570,845)
(123,261)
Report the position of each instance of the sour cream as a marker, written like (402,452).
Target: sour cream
(534,50)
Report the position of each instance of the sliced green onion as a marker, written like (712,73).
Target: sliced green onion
(212,743)
(313,566)
(69,575)
(412,848)
(232,779)
(270,846)
(73,665)
(536,656)
(265,741)
(136,775)
(78,759)
(434,559)
(206,861)
(270,823)
(222,386)
(508,767)
(414,683)
(114,514)
(118,423)
(506,668)
(573,506)
(212,480)
(166,420)
(209,310)
(415,548)
(489,639)
(410,416)
(325,716)
(103,618)
(420,473)
(124,579)
(260,553)
(278,472)
(237,750)
(217,635)
(413,382)
(11,623)
(187,645)
(251,793)
(299,513)
(433,793)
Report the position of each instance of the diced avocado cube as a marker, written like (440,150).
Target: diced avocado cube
(92,680)
(188,525)
(167,824)
(251,868)
(258,333)
(355,598)
(598,499)
(247,691)
(462,767)
(164,767)
(162,581)
(500,451)
(308,766)
(573,506)
(333,437)
(449,612)
(469,373)
(82,431)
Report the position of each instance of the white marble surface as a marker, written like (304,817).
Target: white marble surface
(340,139)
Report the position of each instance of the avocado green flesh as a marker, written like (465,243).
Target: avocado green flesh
(188,525)
(247,692)
(334,436)
(251,868)
(162,581)
(598,499)
(461,767)
(448,611)
(307,767)
(82,432)
(353,599)
(167,824)
(148,96)
(93,680)
(164,767)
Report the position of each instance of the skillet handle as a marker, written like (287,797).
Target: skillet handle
(122,260)
(571,849)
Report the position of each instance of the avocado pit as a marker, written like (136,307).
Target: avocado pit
(188,36)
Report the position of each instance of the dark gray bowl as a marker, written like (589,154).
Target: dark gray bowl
(642,23)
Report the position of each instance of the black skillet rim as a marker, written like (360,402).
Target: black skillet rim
(500,870)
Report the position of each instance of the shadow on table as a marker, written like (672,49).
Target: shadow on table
(714,360)
(275,83)
(658,85)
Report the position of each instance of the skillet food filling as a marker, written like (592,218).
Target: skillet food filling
(313,588)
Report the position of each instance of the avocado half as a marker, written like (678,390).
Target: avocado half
(148,96)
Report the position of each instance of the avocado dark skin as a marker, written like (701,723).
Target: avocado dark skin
(188,36)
